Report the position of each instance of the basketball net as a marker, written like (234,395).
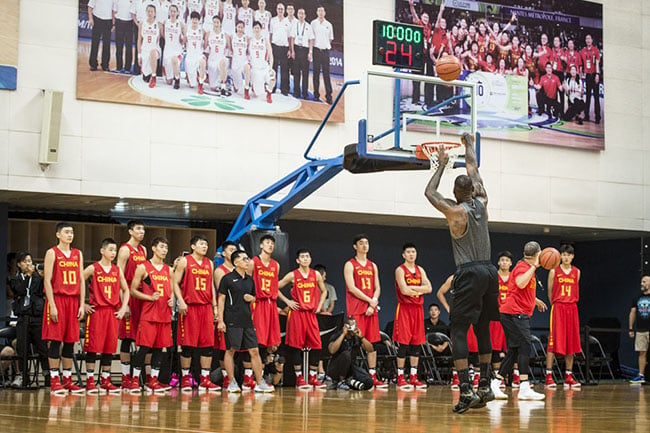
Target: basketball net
(430,150)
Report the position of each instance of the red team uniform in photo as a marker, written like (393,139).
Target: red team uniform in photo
(195,329)
(265,310)
(564,335)
(409,323)
(128,328)
(302,324)
(155,329)
(219,339)
(496,330)
(364,280)
(102,325)
(66,277)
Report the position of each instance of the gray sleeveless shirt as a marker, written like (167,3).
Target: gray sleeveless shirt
(474,244)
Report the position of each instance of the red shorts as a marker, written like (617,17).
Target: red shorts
(369,326)
(129,325)
(497,336)
(409,324)
(564,337)
(101,331)
(67,328)
(154,334)
(219,340)
(472,344)
(266,322)
(302,330)
(196,328)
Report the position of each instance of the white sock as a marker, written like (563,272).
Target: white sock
(549,372)
(106,374)
(568,372)
(516,372)
(67,373)
(400,372)
(205,372)
(224,373)
(372,371)
(185,371)
(136,373)
(54,373)
(248,372)
(414,371)
(90,374)
(155,372)
(126,369)
(298,373)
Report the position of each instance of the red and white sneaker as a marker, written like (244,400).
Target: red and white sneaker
(416,383)
(72,387)
(106,386)
(300,382)
(154,386)
(126,382)
(268,98)
(570,382)
(516,381)
(502,385)
(134,386)
(186,383)
(200,90)
(206,385)
(247,94)
(549,382)
(152,82)
(402,384)
(55,386)
(313,381)
(226,382)
(455,382)
(477,377)
(248,383)
(378,383)
(91,388)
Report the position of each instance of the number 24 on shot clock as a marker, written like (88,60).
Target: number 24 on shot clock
(398,45)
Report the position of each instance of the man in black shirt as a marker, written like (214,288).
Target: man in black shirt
(640,315)
(433,324)
(344,347)
(236,292)
(27,286)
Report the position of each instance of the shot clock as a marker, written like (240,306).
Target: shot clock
(398,45)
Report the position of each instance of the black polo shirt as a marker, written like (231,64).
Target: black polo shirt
(237,312)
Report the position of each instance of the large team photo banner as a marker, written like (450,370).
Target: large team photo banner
(9,20)
(269,58)
(538,72)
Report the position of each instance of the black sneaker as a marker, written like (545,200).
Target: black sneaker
(468,399)
(484,392)
(146,78)
(177,83)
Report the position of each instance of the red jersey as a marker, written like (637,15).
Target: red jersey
(439,40)
(426,30)
(492,45)
(266,279)
(364,280)
(573,58)
(503,290)
(411,279)
(66,274)
(515,54)
(224,268)
(305,290)
(545,56)
(566,289)
(487,67)
(159,281)
(590,56)
(137,256)
(482,45)
(197,281)
(550,84)
(104,288)
(520,301)
(556,59)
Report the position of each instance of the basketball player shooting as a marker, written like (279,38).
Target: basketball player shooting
(475,286)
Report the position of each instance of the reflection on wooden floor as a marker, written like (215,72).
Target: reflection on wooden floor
(607,407)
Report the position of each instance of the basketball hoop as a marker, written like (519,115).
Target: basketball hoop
(429,150)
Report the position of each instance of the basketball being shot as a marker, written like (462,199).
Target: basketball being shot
(549,258)
(448,67)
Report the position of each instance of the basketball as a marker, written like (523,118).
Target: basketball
(448,68)
(549,258)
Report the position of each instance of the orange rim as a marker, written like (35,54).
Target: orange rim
(423,150)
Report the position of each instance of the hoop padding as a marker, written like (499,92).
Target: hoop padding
(429,150)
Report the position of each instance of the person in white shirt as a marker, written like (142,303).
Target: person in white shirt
(279,29)
(240,69)
(228,17)
(263,17)
(323,36)
(217,41)
(123,36)
(148,46)
(173,33)
(100,17)
(195,64)
(261,55)
(138,12)
(245,15)
(302,42)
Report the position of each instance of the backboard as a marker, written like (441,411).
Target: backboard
(403,110)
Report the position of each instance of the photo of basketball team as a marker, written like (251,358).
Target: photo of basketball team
(556,49)
(242,56)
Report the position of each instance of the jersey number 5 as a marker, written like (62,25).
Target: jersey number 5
(160,288)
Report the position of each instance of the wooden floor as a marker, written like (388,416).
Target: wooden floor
(610,408)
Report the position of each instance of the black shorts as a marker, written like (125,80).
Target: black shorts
(517,330)
(475,294)
(240,338)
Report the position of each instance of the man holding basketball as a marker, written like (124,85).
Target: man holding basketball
(475,286)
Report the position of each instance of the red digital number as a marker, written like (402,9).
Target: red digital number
(391,52)
(406,54)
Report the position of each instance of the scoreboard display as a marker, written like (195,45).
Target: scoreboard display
(398,45)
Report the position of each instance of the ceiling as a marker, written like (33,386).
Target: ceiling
(178,213)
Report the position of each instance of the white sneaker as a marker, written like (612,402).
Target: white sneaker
(18,381)
(264,387)
(526,392)
(233,387)
(495,386)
